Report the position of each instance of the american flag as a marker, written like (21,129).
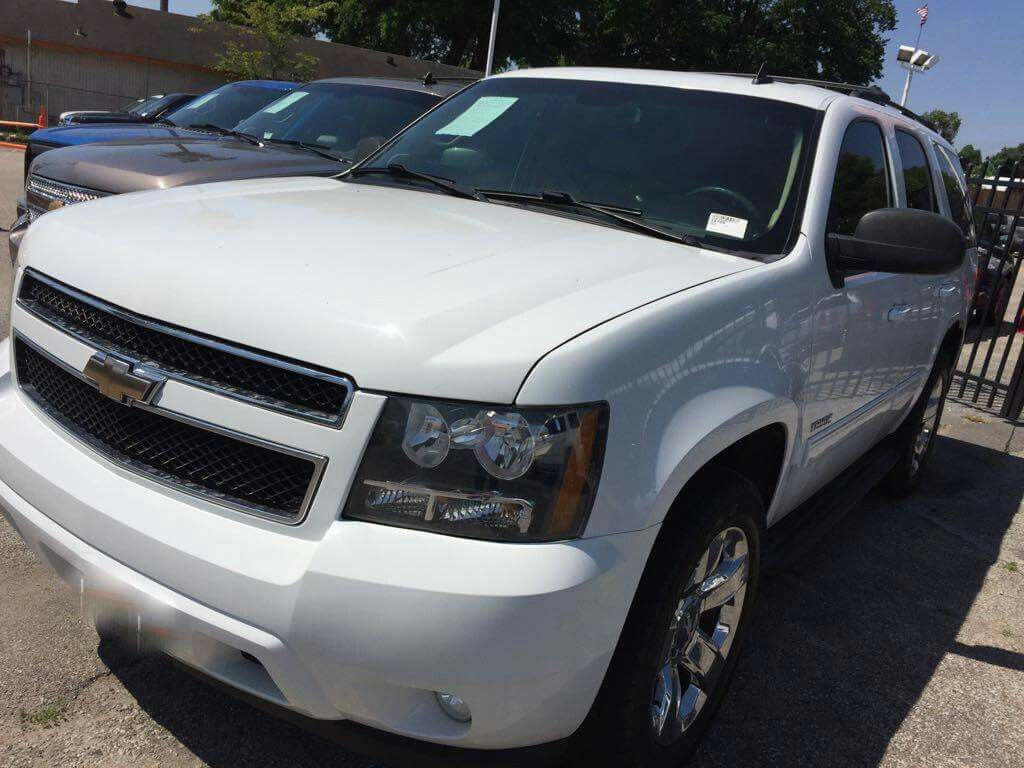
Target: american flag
(923,13)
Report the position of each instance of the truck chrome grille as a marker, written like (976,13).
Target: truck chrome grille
(227,469)
(41,193)
(235,371)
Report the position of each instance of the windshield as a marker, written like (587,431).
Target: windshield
(345,119)
(138,106)
(724,168)
(225,106)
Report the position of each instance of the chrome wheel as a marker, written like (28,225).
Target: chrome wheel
(929,425)
(700,635)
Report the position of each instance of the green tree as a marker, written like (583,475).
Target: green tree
(827,39)
(270,26)
(456,32)
(970,156)
(1003,161)
(830,39)
(946,123)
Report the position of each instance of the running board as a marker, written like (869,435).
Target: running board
(786,542)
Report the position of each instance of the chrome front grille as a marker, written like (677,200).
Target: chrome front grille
(43,194)
(230,469)
(245,374)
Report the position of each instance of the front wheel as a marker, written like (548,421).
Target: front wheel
(681,643)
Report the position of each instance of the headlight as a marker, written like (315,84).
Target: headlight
(486,472)
(17,233)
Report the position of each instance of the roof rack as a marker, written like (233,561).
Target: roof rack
(868,92)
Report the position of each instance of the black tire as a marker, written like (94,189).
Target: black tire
(906,475)
(619,730)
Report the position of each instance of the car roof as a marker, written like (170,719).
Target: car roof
(441,87)
(280,85)
(804,95)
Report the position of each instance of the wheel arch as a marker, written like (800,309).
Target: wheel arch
(953,339)
(756,441)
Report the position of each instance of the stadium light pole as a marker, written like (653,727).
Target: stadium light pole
(494,34)
(913,60)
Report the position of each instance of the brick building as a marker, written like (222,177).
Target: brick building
(68,54)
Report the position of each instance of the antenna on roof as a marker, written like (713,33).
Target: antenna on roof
(762,77)
(429,79)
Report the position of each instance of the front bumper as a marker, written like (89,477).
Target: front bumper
(349,621)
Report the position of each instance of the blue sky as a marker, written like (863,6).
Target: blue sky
(982,56)
(979,42)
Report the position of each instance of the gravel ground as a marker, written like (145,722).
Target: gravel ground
(898,641)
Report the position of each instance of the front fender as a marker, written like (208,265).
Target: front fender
(706,426)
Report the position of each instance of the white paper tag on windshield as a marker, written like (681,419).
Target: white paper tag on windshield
(730,226)
(480,114)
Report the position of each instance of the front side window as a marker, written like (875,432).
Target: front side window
(916,177)
(956,194)
(722,168)
(862,177)
(337,117)
(224,107)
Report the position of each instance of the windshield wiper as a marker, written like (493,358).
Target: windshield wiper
(315,148)
(226,132)
(626,217)
(397,170)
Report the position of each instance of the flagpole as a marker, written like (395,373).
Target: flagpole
(910,69)
(494,33)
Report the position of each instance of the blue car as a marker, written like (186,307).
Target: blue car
(211,115)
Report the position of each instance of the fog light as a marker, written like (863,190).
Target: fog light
(454,707)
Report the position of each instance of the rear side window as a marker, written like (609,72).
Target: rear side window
(955,192)
(862,179)
(916,177)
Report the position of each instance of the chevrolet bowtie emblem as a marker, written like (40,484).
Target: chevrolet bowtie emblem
(118,380)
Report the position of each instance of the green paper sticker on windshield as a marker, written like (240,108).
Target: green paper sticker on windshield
(482,113)
(286,102)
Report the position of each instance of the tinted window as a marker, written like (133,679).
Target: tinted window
(916,178)
(338,117)
(862,183)
(225,106)
(137,106)
(724,168)
(955,192)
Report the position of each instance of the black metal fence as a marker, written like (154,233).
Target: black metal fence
(990,372)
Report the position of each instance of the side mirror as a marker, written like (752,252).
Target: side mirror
(898,240)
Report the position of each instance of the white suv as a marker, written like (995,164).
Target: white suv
(476,443)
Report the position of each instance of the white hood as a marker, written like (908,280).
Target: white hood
(405,291)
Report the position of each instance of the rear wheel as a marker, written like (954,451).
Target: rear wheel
(916,437)
(678,651)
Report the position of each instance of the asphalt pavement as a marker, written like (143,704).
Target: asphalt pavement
(896,641)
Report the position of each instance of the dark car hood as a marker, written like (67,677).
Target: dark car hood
(92,119)
(73,135)
(134,166)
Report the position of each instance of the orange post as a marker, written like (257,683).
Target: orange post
(42,117)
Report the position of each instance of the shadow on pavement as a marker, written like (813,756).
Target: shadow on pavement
(842,646)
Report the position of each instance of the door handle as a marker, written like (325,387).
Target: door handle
(900,312)
(948,289)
